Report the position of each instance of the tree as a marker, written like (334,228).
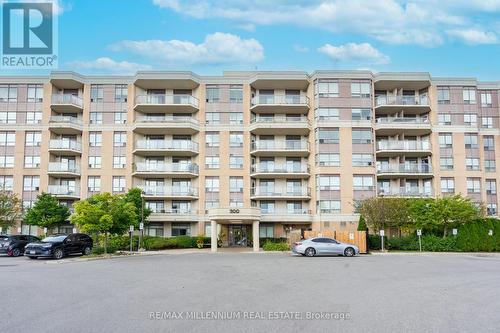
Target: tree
(134,196)
(381,213)
(47,212)
(105,213)
(362,224)
(11,209)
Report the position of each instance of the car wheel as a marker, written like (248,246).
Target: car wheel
(16,252)
(58,254)
(32,257)
(310,252)
(349,252)
(86,251)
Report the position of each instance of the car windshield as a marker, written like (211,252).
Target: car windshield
(52,239)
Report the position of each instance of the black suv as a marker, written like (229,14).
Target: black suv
(13,245)
(58,246)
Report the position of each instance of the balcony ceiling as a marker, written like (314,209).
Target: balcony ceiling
(402,83)
(293,81)
(166,80)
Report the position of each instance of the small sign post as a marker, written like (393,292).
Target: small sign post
(45,231)
(382,234)
(141,228)
(490,232)
(74,230)
(455,232)
(419,234)
(130,231)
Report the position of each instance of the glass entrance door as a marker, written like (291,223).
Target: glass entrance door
(238,235)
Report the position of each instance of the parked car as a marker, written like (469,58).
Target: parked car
(58,246)
(324,246)
(13,245)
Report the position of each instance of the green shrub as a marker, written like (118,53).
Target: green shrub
(263,240)
(374,242)
(272,246)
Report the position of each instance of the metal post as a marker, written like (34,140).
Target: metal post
(142,222)
(420,242)
(130,233)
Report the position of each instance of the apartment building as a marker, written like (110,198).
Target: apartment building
(249,153)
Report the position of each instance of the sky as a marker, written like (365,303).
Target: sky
(457,38)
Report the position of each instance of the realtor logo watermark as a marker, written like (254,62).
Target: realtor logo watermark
(29,35)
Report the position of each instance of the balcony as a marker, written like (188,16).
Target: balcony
(173,192)
(289,215)
(280,148)
(145,169)
(263,193)
(65,147)
(405,170)
(58,169)
(174,215)
(267,170)
(166,103)
(410,126)
(66,103)
(407,148)
(280,104)
(166,147)
(65,125)
(411,104)
(280,125)
(405,192)
(166,124)
(64,191)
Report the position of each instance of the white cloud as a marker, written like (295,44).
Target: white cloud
(419,22)
(217,48)
(474,36)
(106,64)
(352,52)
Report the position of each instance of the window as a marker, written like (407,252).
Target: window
(473,185)
(362,160)
(491,209)
(96,117)
(363,183)
(360,89)
(118,184)
(6,161)
(120,139)
(236,118)
(472,163)
(485,99)
(328,159)
(445,140)
(235,162)
(31,161)
(235,139)
(469,95)
(8,117)
(443,95)
(6,183)
(327,135)
(119,162)
(121,93)
(236,94)
(446,163)
(35,93)
(328,182)
(31,183)
(211,184)
(327,114)
(328,206)
(120,117)
(470,119)
(212,118)
(266,231)
(155,206)
(94,162)
(94,184)
(489,165)
(361,114)
(491,186)
(361,136)
(212,94)
(181,229)
(96,93)
(470,141)
(325,88)
(154,229)
(212,162)
(95,139)
(8,93)
(33,117)
(7,138)
(487,122)
(211,203)
(267,207)
(33,139)
(444,119)
(447,185)
(236,184)
(488,142)
(212,139)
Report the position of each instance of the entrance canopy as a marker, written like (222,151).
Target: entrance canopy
(234,215)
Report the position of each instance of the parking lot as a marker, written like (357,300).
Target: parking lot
(269,291)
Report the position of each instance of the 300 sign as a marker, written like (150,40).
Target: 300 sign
(234,211)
